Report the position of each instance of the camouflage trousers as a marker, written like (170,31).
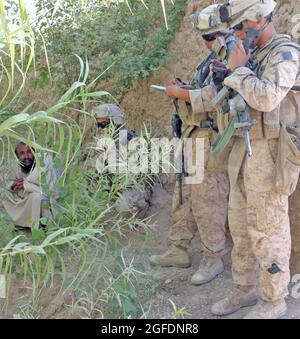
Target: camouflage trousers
(204,205)
(258,221)
(294,212)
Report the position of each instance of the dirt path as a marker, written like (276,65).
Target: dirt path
(175,283)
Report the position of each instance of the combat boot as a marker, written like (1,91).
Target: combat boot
(208,270)
(241,296)
(174,257)
(268,310)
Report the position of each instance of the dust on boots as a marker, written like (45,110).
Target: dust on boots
(208,270)
(268,310)
(241,296)
(175,256)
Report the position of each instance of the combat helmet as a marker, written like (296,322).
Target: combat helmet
(208,21)
(236,11)
(112,111)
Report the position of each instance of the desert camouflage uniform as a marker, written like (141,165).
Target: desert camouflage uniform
(114,156)
(294,213)
(258,213)
(205,204)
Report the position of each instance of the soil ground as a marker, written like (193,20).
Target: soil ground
(175,283)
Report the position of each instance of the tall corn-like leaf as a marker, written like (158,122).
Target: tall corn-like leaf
(162,5)
(12,59)
(38,261)
(67,96)
(14,42)
(2,9)
(9,77)
(164,12)
(13,121)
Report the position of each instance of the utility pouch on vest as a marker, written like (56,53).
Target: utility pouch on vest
(272,124)
(288,160)
(256,131)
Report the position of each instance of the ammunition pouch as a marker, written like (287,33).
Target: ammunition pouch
(288,160)
(218,162)
(271,123)
(257,129)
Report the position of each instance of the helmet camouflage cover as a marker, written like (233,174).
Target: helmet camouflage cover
(112,111)
(236,11)
(208,21)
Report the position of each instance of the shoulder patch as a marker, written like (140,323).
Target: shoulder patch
(287,55)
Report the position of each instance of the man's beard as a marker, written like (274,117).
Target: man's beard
(27,165)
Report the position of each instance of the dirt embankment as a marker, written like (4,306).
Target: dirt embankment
(186,51)
(287,17)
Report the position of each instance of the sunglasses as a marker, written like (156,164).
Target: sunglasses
(103,124)
(209,37)
(238,27)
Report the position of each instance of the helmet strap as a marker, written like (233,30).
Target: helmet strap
(252,34)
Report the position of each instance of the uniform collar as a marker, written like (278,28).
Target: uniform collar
(260,53)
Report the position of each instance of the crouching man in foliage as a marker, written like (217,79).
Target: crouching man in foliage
(21,191)
(116,148)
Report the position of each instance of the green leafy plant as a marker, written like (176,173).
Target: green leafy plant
(88,236)
(86,248)
(132,40)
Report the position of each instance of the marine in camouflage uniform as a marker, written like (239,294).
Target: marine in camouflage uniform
(111,158)
(205,203)
(261,184)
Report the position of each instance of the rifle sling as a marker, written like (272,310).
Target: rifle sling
(223,140)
